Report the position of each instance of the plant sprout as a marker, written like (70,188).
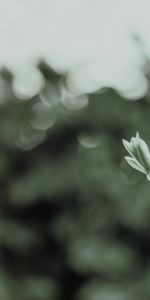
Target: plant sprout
(140,155)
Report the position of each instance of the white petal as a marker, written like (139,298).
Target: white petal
(132,140)
(145,153)
(139,153)
(137,135)
(129,147)
(148,176)
(135,164)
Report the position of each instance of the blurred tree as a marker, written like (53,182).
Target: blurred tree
(74,216)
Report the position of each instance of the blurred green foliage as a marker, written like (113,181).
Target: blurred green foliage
(74,217)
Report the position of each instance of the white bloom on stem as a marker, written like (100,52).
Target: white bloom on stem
(140,155)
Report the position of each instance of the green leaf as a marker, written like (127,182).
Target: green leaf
(135,164)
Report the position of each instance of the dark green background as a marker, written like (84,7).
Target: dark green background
(74,219)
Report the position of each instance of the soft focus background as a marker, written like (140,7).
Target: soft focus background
(74,217)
